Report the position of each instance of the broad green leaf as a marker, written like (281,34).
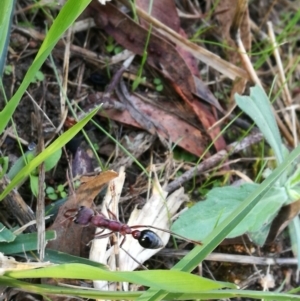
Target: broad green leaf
(52,160)
(259,237)
(258,107)
(220,203)
(293,184)
(20,163)
(24,243)
(6,235)
(34,184)
(173,281)
(199,253)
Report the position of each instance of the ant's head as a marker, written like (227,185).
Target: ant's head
(83,216)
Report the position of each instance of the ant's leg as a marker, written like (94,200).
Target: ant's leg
(103,235)
(168,231)
(97,236)
(122,242)
(111,215)
(98,233)
(140,264)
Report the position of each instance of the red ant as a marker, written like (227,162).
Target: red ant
(146,238)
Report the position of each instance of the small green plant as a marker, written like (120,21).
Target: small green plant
(4,166)
(54,194)
(112,47)
(158,84)
(39,77)
(139,79)
(8,69)
(50,163)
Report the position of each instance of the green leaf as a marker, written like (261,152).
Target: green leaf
(50,189)
(60,188)
(52,160)
(4,166)
(39,76)
(199,253)
(258,107)
(259,237)
(63,194)
(157,81)
(24,243)
(8,69)
(34,184)
(6,14)
(20,163)
(6,235)
(159,88)
(53,196)
(44,289)
(110,48)
(173,281)
(220,203)
(118,49)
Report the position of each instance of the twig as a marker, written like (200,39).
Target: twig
(242,259)
(214,160)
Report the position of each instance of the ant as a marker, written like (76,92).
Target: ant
(146,238)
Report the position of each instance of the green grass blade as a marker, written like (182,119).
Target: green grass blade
(6,13)
(24,243)
(52,148)
(66,291)
(171,281)
(68,14)
(44,289)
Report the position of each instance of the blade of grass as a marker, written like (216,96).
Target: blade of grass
(171,281)
(6,13)
(44,289)
(24,243)
(60,290)
(52,148)
(68,14)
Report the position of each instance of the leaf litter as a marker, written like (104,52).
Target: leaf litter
(189,120)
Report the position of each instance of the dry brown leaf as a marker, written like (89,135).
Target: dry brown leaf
(161,55)
(68,234)
(185,135)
